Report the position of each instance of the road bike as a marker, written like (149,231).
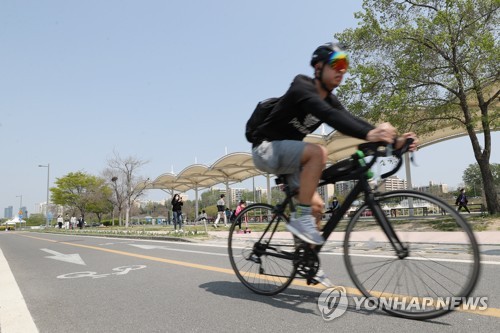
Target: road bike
(405,271)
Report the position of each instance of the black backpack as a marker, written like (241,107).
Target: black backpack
(262,110)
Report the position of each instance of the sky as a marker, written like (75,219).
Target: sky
(168,82)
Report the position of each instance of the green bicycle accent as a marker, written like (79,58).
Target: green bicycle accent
(361,160)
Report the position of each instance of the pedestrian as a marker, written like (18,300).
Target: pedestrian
(60,221)
(334,205)
(228,214)
(277,140)
(203,216)
(462,201)
(241,205)
(81,222)
(177,211)
(221,208)
(72,222)
(66,221)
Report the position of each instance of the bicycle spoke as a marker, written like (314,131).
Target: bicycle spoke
(264,265)
(429,270)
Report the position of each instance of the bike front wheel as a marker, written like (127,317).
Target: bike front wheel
(262,261)
(433,272)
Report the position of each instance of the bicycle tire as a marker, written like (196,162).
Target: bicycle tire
(448,267)
(263,263)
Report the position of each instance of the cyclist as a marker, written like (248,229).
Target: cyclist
(277,145)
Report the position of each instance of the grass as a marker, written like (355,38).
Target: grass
(439,223)
(146,232)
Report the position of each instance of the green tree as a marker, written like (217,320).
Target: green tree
(426,64)
(100,202)
(472,177)
(36,219)
(78,190)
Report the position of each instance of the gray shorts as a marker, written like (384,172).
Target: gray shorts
(280,158)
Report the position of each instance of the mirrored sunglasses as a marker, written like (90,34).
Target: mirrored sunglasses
(339,61)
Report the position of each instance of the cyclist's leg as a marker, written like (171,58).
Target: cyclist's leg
(317,208)
(303,163)
(308,213)
(313,161)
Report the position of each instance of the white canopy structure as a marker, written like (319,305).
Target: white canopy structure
(15,221)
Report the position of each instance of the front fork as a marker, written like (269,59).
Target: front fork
(399,247)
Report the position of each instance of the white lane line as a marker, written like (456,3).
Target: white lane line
(14,314)
(485,262)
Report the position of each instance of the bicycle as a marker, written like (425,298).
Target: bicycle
(382,266)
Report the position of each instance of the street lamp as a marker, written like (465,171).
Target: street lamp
(20,202)
(114,179)
(48,177)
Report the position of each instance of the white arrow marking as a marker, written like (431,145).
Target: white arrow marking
(152,247)
(71,258)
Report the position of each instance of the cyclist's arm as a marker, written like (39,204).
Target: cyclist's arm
(337,117)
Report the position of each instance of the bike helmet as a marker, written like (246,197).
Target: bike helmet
(324,52)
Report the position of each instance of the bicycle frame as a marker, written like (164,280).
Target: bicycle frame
(362,186)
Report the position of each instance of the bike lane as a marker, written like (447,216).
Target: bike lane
(98,271)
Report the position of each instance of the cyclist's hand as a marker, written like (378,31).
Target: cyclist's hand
(400,141)
(384,132)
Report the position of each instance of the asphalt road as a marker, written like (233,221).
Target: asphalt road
(75,283)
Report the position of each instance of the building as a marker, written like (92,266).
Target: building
(260,194)
(8,212)
(326,192)
(393,183)
(235,195)
(343,188)
(433,188)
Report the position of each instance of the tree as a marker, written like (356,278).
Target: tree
(472,176)
(100,202)
(426,64)
(119,192)
(125,182)
(81,191)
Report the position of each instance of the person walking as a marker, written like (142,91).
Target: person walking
(241,205)
(462,201)
(177,211)
(221,211)
(60,221)
(66,222)
(81,222)
(72,222)
(228,213)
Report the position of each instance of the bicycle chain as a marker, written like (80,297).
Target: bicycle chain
(306,260)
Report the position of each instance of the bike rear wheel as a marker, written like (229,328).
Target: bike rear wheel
(439,269)
(262,261)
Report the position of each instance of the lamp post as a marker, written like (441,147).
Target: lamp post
(48,177)
(114,179)
(20,202)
